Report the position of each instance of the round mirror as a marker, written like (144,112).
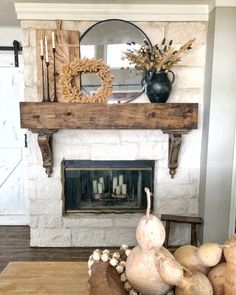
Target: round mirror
(108,40)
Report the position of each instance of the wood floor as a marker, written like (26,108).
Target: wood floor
(14,246)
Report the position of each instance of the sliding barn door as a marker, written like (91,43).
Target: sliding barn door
(13,200)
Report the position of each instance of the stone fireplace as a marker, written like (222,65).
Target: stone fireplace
(49,226)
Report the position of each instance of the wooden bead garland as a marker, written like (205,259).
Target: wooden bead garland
(85,65)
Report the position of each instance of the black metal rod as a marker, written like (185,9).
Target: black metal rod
(9,48)
(43,83)
(16,48)
(48,84)
(54,74)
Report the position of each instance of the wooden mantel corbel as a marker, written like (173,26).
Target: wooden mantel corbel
(175,140)
(45,141)
(46,118)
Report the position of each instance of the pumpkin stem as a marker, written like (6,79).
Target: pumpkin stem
(147,191)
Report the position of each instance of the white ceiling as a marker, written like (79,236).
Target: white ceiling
(8,15)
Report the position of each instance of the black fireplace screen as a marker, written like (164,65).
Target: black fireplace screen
(107,186)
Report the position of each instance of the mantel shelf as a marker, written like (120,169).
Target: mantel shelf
(166,116)
(47,118)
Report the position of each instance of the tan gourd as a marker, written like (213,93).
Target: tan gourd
(186,283)
(142,266)
(199,259)
(223,276)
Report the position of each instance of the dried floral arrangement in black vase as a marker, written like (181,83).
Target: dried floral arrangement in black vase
(156,62)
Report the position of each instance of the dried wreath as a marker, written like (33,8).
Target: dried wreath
(85,65)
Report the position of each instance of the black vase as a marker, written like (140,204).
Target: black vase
(158,86)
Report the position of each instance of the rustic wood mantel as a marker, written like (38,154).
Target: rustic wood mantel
(46,118)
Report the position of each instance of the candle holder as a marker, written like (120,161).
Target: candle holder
(43,84)
(48,84)
(54,75)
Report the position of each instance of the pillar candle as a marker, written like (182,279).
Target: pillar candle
(118,190)
(114,183)
(99,188)
(121,179)
(95,186)
(46,48)
(101,180)
(53,40)
(41,47)
(124,189)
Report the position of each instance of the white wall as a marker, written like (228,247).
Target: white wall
(218,142)
(8,34)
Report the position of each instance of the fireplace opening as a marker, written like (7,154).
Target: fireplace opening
(106,186)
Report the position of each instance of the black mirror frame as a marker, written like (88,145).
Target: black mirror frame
(125,21)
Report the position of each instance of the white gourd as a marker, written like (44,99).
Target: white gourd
(142,265)
(187,283)
(209,254)
(199,259)
(150,232)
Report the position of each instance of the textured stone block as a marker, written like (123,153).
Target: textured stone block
(80,26)
(120,236)
(50,237)
(189,77)
(49,189)
(177,191)
(38,24)
(57,172)
(45,207)
(126,220)
(131,136)
(152,150)
(33,221)
(33,170)
(71,152)
(29,76)
(29,57)
(190,154)
(193,206)
(31,189)
(33,39)
(30,94)
(196,57)
(181,32)
(155,31)
(114,152)
(87,221)
(25,38)
(88,237)
(178,206)
(81,137)
(185,95)
(49,221)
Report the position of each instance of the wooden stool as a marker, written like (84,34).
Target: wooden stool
(181,219)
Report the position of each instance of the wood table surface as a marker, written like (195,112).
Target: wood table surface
(54,278)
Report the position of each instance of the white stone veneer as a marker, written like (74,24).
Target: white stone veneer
(174,196)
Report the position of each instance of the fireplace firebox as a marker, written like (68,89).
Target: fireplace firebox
(106,186)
